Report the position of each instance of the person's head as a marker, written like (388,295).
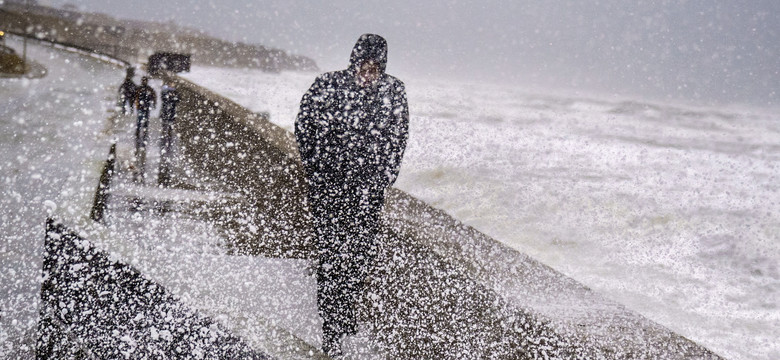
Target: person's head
(145,80)
(368,60)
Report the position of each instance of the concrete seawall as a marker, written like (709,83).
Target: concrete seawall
(244,153)
(440,289)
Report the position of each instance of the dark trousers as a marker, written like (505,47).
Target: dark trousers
(127,104)
(166,152)
(141,138)
(346,222)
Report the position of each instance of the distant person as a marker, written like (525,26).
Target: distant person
(170,97)
(145,100)
(351,132)
(127,93)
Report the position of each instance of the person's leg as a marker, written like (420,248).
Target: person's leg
(326,301)
(167,138)
(363,248)
(165,153)
(330,302)
(145,133)
(329,278)
(121,103)
(141,137)
(360,225)
(138,145)
(371,213)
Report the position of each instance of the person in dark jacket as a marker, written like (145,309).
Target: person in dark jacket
(351,131)
(145,100)
(170,97)
(127,93)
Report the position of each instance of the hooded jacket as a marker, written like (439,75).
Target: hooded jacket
(350,136)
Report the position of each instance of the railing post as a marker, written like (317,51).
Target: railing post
(102,193)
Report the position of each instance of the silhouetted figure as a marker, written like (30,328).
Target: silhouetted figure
(351,132)
(127,93)
(170,97)
(145,100)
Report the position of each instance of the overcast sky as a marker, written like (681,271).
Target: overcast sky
(702,51)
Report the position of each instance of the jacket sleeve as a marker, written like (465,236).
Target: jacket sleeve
(306,133)
(399,133)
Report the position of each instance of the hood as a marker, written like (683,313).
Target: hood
(369,47)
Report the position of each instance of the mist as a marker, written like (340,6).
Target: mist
(700,52)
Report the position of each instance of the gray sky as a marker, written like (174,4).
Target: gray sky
(701,51)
